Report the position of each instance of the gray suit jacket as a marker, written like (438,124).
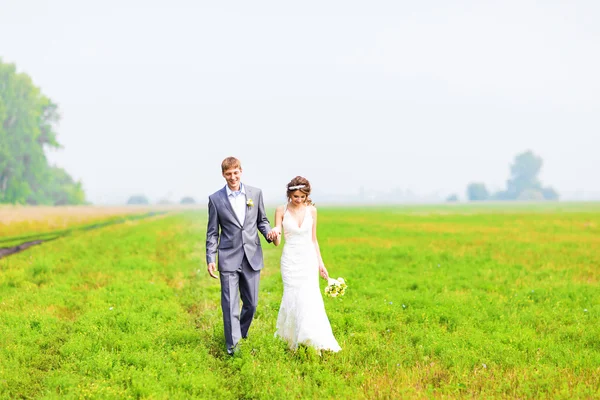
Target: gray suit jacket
(229,239)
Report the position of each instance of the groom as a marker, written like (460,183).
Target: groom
(235,214)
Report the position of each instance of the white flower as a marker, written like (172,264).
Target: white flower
(335,287)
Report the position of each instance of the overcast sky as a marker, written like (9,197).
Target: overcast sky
(424,96)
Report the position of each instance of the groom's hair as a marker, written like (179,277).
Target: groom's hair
(229,163)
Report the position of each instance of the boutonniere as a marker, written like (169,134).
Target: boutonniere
(250,203)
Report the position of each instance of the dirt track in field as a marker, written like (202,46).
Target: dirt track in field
(7,251)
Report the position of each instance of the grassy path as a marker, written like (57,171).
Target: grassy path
(14,244)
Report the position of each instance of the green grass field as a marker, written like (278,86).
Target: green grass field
(454,301)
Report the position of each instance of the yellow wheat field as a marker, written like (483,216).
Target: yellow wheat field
(18,220)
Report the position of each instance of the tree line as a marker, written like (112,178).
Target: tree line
(28,122)
(523,183)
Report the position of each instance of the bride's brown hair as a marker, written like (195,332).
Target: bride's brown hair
(302,184)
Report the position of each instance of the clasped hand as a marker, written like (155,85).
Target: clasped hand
(275,232)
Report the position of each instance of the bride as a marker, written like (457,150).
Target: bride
(302,318)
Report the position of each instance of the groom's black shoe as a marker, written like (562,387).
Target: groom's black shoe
(233,350)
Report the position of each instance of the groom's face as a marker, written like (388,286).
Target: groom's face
(233,176)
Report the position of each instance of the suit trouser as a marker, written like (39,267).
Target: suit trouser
(244,281)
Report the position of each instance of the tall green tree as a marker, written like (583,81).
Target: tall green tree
(27,128)
(524,183)
(524,174)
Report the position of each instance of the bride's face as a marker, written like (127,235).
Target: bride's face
(298,198)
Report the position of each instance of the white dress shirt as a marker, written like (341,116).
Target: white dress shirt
(238,202)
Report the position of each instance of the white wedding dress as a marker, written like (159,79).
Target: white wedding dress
(302,318)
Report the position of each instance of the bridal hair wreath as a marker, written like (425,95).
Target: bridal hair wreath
(296,187)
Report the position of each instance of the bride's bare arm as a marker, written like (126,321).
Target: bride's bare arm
(322,269)
(278,225)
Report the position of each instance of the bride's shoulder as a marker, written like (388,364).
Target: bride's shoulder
(280,209)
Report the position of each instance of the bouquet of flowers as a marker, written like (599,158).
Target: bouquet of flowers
(336,287)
